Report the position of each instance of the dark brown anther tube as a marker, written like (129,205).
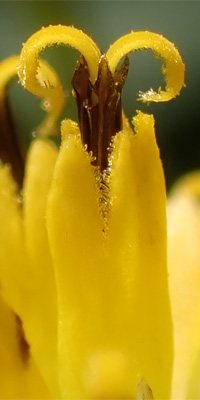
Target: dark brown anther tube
(99,106)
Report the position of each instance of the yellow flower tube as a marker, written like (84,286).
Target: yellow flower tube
(94,224)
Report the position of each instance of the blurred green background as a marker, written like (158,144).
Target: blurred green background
(177,122)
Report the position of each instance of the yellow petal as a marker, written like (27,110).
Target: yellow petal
(13,260)
(40,318)
(74,229)
(137,237)
(184,279)
(19,377)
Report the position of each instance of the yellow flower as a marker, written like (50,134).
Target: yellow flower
(83,263)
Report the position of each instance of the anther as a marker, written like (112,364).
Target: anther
(99,106)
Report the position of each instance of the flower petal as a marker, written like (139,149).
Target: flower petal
(138,244)
(184,280)
(41,316)
(19,377)
(74,229)
(12,255)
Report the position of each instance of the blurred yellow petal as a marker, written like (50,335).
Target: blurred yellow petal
(184,283)
(19,377)
(25,238)
(41,314)
(25,290)
(13,259)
